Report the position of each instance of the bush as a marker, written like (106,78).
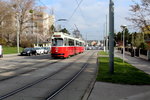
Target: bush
(2,41)
(143,45)
(25,44)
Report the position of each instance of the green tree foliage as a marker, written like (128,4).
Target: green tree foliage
(64,31)
(119,37)
(143,45)
(137,39)
(140,16)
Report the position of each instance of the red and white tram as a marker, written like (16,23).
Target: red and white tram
(64,45)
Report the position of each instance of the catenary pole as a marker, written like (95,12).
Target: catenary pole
(111,36)
(18,32)
(104,41)
(106,36)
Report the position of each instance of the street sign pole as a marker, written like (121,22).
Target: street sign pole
(111,36)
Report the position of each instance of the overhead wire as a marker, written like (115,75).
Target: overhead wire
(80,9)
(82,14)
(82,17)
(75,9)
(45,5)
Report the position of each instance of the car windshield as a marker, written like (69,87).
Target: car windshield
(27,49)
(37,48)
(57,42)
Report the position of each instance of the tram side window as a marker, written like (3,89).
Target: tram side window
(57,42)
(80,43)
(66,42)
(77,43)
(71,42)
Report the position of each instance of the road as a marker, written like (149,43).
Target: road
(39,77)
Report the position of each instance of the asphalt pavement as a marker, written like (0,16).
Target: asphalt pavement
(109,91)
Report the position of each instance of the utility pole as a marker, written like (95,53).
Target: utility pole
(104,41)
(18,32)
(106,36)
(111,36)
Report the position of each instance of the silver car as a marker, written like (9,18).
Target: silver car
(39,50)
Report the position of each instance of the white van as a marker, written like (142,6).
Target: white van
(1,51)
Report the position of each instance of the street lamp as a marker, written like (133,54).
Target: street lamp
(123,27)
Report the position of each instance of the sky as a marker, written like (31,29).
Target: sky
(90,17)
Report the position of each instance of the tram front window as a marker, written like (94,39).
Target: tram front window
(57,42)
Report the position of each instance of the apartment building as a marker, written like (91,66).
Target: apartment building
(40,25)
(42,22)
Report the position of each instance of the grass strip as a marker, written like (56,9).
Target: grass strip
(102,53)
(123,73)
(10,50)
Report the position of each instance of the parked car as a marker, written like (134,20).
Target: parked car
(29,51)
(46,50)
(1,51)
(39,50)
(89,48)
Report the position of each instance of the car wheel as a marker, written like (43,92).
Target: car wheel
(30,54)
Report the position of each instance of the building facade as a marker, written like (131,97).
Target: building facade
(40,25)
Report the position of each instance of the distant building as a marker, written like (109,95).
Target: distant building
(40,25)
(94,43)
(43,22)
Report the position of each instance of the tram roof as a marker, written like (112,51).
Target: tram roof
(65,35)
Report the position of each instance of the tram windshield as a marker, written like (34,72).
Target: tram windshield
(57,42)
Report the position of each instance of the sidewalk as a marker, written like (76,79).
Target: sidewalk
(10,55)
(139,63)
(109,91)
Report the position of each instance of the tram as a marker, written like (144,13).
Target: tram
(64,45)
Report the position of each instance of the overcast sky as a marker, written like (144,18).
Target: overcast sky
(90,17)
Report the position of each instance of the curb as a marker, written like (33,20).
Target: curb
(10,55)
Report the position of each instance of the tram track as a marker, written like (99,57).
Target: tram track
(24,66)
(63,86)
(27,70)
(6,95)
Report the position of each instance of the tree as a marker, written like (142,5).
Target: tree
(64,31)
(21,10)
(119,37)
(52,29)
(137,39)
(140,15)
(7,27)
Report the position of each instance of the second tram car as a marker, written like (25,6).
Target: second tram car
(64,45)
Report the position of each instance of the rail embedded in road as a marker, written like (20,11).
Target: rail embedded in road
(33,83)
